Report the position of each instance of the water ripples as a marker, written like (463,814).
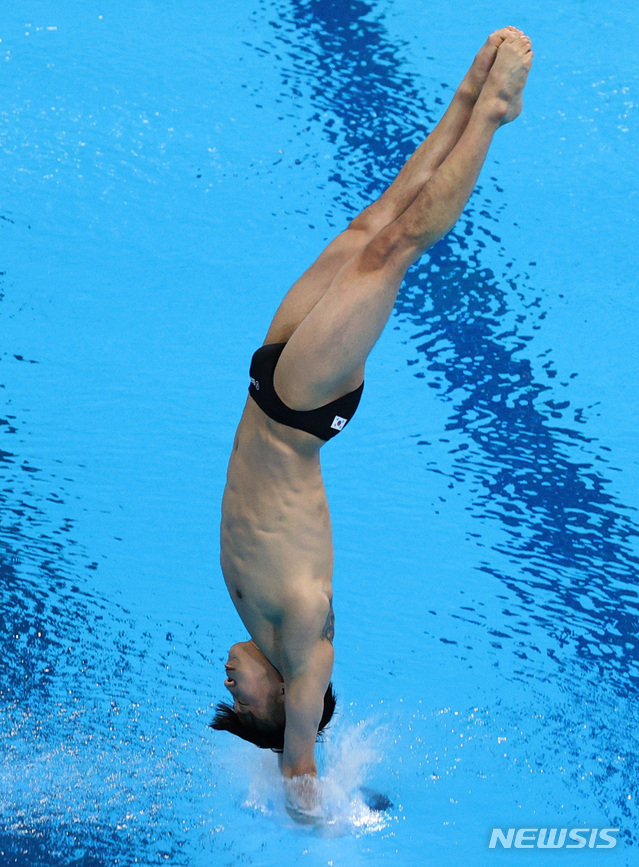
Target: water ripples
(97,759)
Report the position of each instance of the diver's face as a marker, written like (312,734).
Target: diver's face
(256,686)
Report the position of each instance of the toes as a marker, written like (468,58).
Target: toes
(526,43)
(518,41)
(501,35)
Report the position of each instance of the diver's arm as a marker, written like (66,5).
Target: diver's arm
(304,704)
(302,720)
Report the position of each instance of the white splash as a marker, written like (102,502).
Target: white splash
(349,757)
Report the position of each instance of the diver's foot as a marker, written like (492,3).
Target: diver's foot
(476,76)
(502,95)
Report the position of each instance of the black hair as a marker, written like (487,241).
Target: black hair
(262,734)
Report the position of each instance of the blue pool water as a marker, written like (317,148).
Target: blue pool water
(168,170)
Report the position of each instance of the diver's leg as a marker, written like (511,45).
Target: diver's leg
(436,147)
(310,287)
(325,356)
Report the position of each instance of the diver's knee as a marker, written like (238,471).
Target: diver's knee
(391,249)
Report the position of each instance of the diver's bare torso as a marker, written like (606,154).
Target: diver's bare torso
(276,541)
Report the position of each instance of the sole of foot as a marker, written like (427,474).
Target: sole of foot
(478,73)
(502,94)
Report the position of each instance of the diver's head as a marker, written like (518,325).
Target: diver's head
(256,686)
(257,713)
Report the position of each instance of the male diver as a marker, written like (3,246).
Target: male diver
(305,384)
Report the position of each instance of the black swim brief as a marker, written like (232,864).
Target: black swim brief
(324,422)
